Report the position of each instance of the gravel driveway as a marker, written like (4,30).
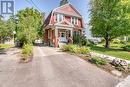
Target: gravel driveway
(51,68)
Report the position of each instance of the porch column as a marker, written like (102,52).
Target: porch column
(56,32)
(56,38)
(71,33)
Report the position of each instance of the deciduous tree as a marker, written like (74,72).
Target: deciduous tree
(110,19)
(30,23)
(5,31)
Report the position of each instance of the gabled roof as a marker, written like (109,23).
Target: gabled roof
(47,20)
(67,9)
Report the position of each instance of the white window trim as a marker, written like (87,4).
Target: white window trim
(62,17)
(58,17)
(75,20)
(71,20)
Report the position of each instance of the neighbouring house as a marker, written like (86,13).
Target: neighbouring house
(62,23)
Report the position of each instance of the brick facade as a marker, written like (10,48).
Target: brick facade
(55,28)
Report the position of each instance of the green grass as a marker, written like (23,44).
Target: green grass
(5,46)
(113,51)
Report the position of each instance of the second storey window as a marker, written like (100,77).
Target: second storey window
(56,17)
(74,20)
(59,17)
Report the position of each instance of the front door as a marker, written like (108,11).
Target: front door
(62,37)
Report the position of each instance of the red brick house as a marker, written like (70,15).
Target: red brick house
(61,24)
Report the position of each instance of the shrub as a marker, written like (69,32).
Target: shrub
(123,42)
(77,39)
(126,47)
(65,48)
(102,40)
(121,68)
(84,41)
(98,61)
(80,40)
(116,41)
(75,49)
(84,50)
(68,48)
(27,51)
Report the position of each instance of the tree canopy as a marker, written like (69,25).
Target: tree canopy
(29,25)
(5,31)
(110,19)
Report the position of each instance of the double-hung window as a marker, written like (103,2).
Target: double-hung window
(59,17)
(74,20)
(56,17)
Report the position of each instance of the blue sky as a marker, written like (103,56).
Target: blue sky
(47,5)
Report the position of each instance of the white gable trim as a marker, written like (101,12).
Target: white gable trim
(61,6)
(61,27)
(66,5)
(69,24)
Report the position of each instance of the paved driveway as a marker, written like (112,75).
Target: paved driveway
(51,68)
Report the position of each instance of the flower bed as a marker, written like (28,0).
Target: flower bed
(107,63)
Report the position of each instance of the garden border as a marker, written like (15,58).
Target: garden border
(109,58)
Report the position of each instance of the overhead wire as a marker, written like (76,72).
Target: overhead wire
(32,2)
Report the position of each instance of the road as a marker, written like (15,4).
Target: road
(51,68)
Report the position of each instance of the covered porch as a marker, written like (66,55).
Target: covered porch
(58,35)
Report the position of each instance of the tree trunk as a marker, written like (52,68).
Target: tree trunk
(107,43)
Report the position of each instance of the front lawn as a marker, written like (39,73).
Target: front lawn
(116,52)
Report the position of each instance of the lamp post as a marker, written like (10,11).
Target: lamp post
(14,33)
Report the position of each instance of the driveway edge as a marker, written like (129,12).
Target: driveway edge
(124,83)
